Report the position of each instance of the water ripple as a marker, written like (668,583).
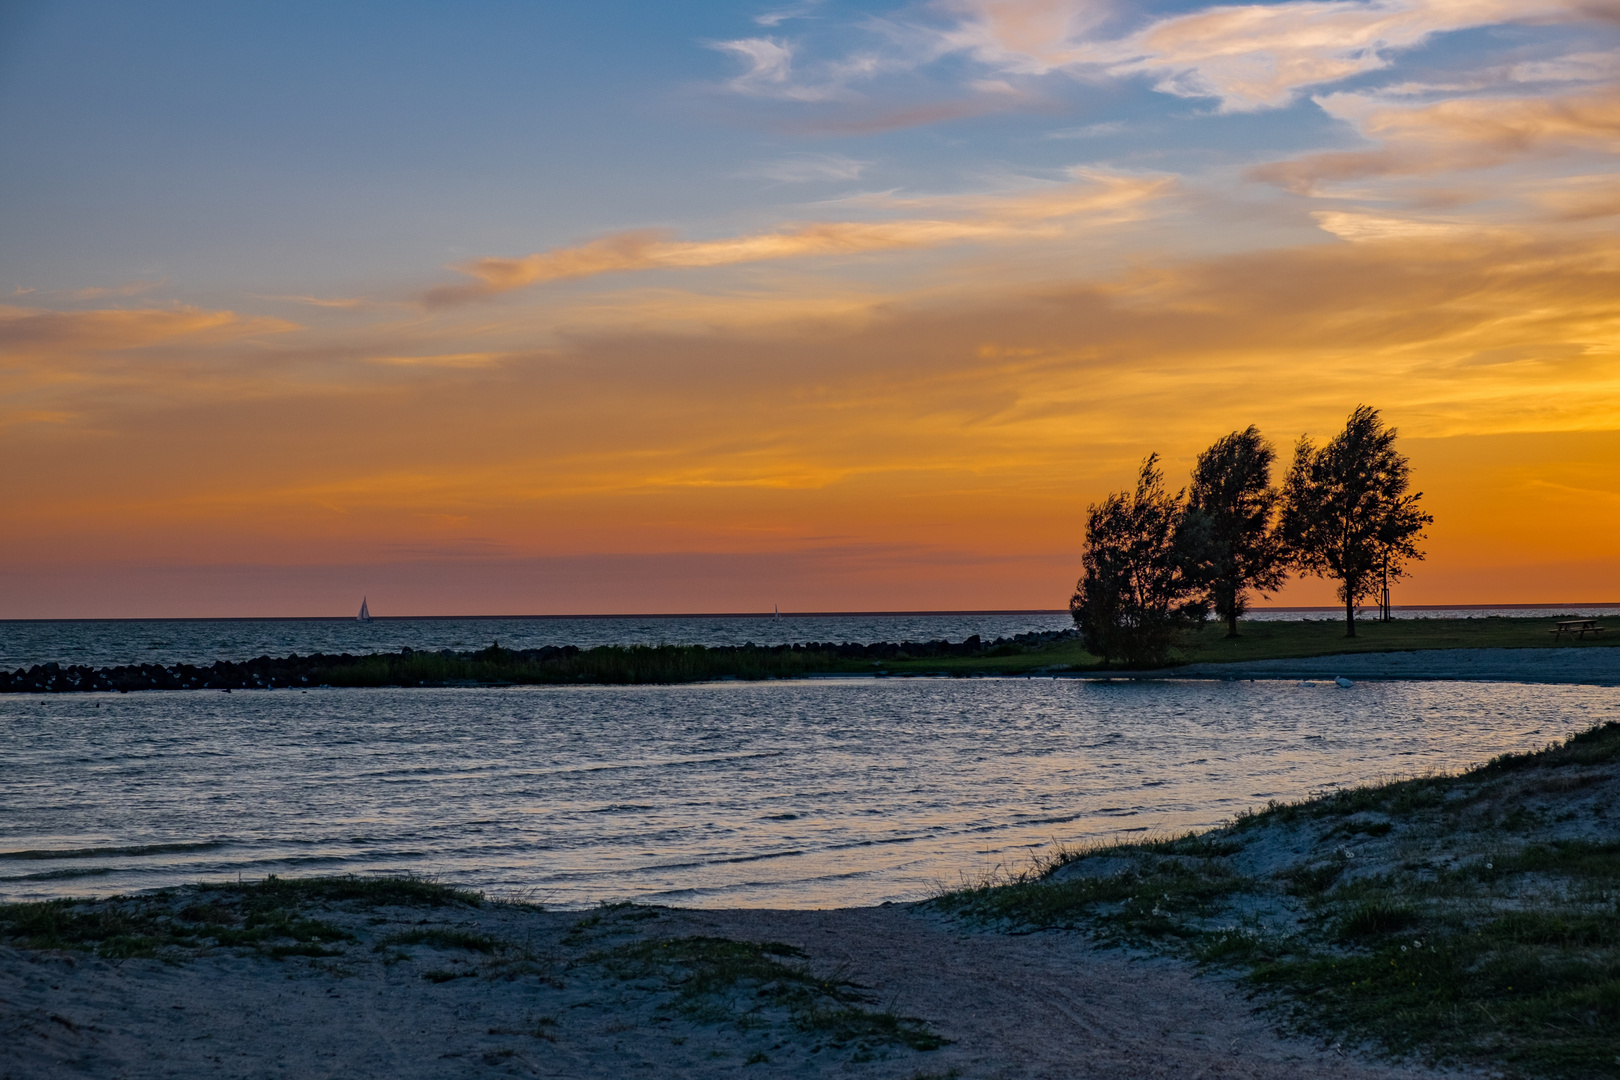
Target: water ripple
(806,794)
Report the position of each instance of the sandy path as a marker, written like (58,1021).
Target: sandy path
(1014,1006)
(1562,665)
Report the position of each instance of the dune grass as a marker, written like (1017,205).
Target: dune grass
(267,917)
(1471,919)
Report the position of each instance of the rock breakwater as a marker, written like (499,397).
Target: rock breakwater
(498,666)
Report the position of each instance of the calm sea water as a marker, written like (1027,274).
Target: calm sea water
(804,794)
(101,642)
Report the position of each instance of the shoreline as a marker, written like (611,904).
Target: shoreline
(1527,664)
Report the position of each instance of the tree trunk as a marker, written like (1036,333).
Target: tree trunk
(1231,625)
(1350,618)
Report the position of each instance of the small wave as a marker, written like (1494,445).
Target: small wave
(761,858)
(97,852)
(58,875)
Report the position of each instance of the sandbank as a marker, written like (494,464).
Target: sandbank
(558,1004)
(1530,665)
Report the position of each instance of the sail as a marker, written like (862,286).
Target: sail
(365,613)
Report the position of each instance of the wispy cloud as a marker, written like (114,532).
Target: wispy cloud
(1247,57)
(1092,200)
(1459,134)
(769,72)
(1582,198)
(93,292)
(34,332)
(1090,131)
(808,168)
(1259,56)
(806,9)
(345,303)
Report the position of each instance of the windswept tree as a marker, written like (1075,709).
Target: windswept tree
(1347,514)
(1136,590)
(1231,490)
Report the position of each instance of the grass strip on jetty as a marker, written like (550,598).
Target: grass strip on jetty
(1463,920)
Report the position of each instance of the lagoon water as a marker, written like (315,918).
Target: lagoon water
(804,794)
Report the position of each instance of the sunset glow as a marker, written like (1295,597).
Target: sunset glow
(639,308)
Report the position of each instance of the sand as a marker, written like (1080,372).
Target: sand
(1541,665)
(1037,1005)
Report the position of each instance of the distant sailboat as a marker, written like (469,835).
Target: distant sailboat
(778,612)
(365,612)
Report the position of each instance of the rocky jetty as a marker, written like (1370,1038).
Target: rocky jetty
(498,666)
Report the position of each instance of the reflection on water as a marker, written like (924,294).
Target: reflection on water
(804,794)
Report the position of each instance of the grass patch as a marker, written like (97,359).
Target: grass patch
(126,927)
(1462,929)
(266,917)
(440,938)
(719,979)
(439,975)
(351,889)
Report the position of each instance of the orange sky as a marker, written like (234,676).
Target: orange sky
(886,397)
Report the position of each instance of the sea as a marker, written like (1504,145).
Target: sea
(805,793)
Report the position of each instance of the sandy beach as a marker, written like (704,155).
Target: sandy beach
(556,1004)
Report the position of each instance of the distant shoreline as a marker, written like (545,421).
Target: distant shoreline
(1329,610)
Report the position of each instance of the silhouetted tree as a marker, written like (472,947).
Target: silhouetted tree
(1231,489)
(1136,592)
(1346,513)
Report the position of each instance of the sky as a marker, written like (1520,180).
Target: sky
(545,308)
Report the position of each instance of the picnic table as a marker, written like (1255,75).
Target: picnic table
(1579,628)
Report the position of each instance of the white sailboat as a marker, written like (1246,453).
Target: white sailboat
(365,612)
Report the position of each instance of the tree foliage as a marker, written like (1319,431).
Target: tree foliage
(1231,490)
(1138,587)
(1347,513)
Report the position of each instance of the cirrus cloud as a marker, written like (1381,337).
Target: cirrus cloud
(1247,57)
(1094,199)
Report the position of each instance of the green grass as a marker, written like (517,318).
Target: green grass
(145,927)
(1292,640)
(442,938)
(1459,931)
(1276,641)
(718,979)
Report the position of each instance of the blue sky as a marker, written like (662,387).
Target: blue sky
(288,146)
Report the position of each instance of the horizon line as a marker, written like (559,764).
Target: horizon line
(769,614)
